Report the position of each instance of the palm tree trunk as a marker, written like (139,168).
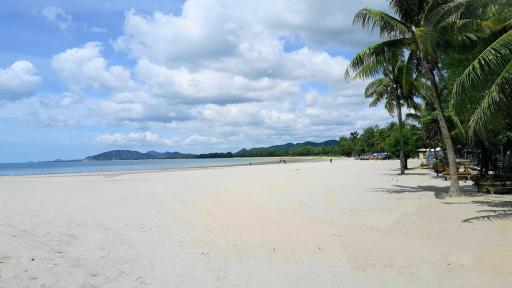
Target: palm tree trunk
(445,133)
(401,131)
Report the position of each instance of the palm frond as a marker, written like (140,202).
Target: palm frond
(459,9)
(410,67)
(388,26)
(408,10)
(484,69)
(379,90)
(430,15)
(487,116)
(426,40)
(390,106)
(412,117)
(373,58)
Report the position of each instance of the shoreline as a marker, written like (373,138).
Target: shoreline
(289,160)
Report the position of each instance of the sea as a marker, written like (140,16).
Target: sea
(79,166)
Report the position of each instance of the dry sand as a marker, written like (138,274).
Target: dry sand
(349,224)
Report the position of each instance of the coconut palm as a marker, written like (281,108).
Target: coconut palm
(485,87)
(390,89)
(410,30)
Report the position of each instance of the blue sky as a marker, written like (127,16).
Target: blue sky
(82,77)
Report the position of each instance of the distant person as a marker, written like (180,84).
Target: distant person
(330,160)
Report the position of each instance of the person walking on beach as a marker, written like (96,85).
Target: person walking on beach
(330,160)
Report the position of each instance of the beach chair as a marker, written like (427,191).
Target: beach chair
(466,174)
(424,166)
(438,168)
(496,185)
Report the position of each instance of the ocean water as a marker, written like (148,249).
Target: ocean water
(43,168)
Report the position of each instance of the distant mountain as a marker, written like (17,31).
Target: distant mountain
(168,155)
(60,160)
(308,148)
(328,143)
(135,155)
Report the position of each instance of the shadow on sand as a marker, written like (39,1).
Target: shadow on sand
(407,173)
(499,209)
(439,192)
(502,211)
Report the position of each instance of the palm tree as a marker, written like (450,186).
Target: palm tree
(485,86)
(410,30)
(390,89)
(354,135)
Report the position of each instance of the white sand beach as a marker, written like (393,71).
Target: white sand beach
(349,224)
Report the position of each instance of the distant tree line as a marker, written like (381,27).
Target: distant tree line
(375,139)
(371,140)
(321,150)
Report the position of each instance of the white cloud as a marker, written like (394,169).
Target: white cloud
(64,21)
(209,86)
(133,138)
(85,67)
(54,119)
(209,29)
(93,29)
(139,107)
(18,80)
(58,17)
(98,29)
(151,139)
(68,99)
(198,139)
(319,23)
(203,61)
(176,38)
(227,61)
(223,69)
(212,35)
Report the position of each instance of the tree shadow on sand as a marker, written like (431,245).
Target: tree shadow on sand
(439,192)
(409,174)
(498,209)
(502,211)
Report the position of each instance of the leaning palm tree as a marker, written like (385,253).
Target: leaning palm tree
(410,30)
(390,89)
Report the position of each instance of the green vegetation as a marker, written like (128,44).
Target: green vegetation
(397,88)
(403,142)
(326,148)
(458,60)
(387,139)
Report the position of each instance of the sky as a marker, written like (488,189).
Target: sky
(82,77)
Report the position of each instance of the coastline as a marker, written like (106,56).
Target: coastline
(269,162)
